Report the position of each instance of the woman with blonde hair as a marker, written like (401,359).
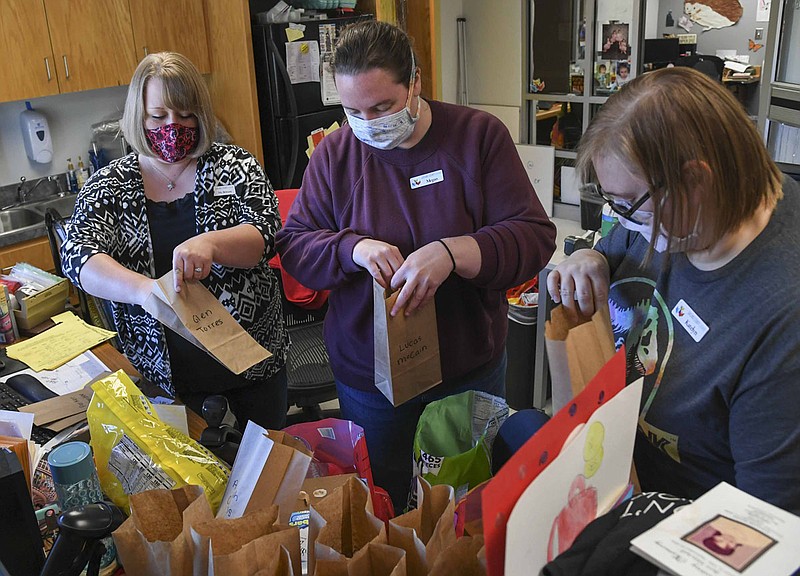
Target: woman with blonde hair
(701,279)
(205,211)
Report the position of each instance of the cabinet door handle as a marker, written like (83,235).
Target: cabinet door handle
(145,50)
(66,66)
(47,67)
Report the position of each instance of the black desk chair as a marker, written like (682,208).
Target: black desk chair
(94,311)
(308,368)
(712,66)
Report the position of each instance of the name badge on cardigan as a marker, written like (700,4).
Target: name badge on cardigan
(224,190)
(426,179)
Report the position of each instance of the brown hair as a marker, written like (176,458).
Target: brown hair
(660,123)
(372,44)
(183,89)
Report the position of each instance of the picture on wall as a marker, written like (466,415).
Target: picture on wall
(615,41)
(603,76)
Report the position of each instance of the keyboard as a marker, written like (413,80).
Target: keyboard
(12,400)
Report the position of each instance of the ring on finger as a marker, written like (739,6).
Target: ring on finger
(198,269)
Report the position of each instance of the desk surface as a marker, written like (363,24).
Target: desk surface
(112,358)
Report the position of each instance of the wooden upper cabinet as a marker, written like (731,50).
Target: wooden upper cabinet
(27,67)
(92,43)
(171,26)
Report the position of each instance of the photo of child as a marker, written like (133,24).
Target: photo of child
(603,77)
(615,42)
(732,543)
(622,75)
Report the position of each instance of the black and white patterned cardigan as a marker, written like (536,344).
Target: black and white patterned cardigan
(110,218)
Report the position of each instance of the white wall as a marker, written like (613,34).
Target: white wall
(69,116)
(447,13)
(494,51)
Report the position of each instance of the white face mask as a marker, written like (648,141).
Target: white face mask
(387,132)
(663,242)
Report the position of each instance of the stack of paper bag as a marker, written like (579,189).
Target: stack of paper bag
(174,533)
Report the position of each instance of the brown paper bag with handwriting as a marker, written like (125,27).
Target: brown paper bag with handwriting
(269,469)
(576,352)
(407,359)
(155,540)
(198,316)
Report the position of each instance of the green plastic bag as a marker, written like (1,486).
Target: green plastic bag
(453,442)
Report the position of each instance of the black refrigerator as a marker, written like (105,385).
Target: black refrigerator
(290,98)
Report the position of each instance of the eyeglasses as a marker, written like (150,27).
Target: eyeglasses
(626,210)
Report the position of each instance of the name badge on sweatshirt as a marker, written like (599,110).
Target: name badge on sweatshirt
(224,190)
(426,179)
(687,318)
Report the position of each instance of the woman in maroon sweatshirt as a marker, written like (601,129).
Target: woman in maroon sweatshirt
(425,197)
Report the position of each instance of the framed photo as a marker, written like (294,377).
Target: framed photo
(615,41)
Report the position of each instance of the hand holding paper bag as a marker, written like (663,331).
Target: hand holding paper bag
(198,316)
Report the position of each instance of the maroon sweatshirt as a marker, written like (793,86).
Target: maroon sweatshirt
(352,191)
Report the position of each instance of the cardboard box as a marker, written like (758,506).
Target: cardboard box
(36,308)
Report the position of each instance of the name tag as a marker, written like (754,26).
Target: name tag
(225,190)
(691,322)
(426,179)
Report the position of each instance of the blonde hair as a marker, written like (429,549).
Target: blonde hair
(183,89)
(663,123)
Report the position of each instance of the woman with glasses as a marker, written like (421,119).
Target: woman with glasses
(701,277)
(424,197)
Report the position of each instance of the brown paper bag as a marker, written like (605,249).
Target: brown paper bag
(269,469)
(341,523)
(155,540)
(576,352)
(406,539)
(224,550)
(378,560)
(407,359)
(433,519)
(198,316)
(463,558)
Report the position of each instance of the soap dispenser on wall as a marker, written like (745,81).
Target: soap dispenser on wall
(36,135)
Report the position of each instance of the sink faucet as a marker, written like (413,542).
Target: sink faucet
(23,195)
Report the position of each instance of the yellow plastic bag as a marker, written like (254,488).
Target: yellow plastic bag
(135,451)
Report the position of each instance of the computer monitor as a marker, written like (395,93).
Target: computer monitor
(660,50)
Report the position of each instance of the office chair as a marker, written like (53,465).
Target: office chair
(308,368)
(94,311)
(712,66)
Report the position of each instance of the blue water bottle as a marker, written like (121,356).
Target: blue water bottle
(76,484)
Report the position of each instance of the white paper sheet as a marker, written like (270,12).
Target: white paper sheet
(302,61)
(17,424)
(593,466)
(71,376)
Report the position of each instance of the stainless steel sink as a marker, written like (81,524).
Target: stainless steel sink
(17,218)
(63,205)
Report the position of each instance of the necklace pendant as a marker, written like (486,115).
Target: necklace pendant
(170,186)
